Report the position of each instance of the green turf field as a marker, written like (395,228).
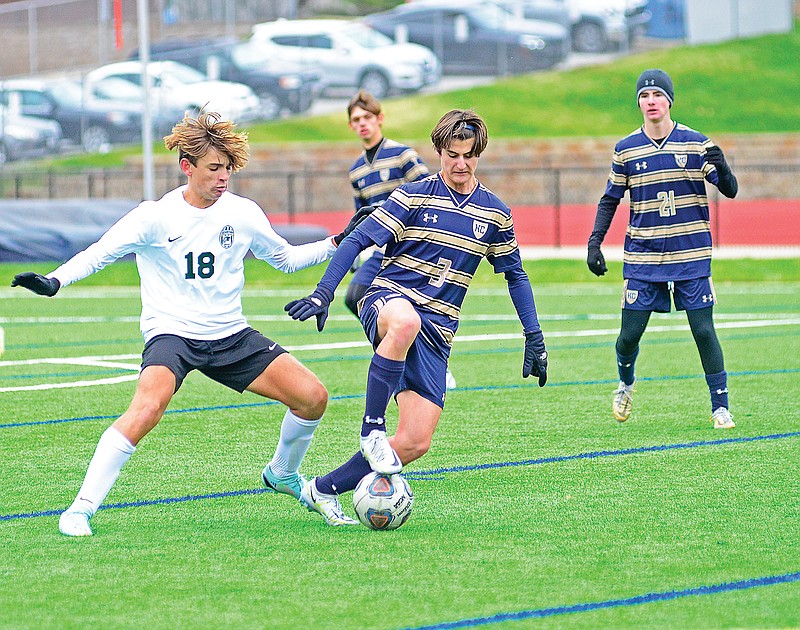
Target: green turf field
(533,509)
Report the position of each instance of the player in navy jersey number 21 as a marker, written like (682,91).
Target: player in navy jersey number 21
(664,166)
(435,231)
(190,247)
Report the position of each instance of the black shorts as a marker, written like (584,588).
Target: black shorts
(234,361)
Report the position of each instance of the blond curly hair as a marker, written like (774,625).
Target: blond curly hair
(194,137)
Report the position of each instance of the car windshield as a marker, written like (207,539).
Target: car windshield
(366,37)
(183,74)
(117,89)
(492,15)
(250,56)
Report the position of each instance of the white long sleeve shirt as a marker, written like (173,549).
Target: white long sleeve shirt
(191,261)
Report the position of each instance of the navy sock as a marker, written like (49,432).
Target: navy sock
(346,477)
(382,379)
(718,387)
(625,365)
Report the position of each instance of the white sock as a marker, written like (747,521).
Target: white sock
(113,450)
(296,434)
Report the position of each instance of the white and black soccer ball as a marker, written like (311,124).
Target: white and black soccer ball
(383,501)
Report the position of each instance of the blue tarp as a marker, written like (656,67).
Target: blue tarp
(35,230)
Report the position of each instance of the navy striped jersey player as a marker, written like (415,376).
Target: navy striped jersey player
(376,173)
(669,233)
(435,231)
(664,166)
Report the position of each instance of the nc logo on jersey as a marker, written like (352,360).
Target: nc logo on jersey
(479,228)
(226,237)
(384,173)
(680,160)
(631,295)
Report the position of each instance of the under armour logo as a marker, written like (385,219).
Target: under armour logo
(641,166)
(649,81)
(433,218)
(722,391)
(369,420)
(708,298)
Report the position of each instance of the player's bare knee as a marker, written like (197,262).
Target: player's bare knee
(315,403)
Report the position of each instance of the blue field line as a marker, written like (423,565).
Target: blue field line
(423,474)
(647,598)
(438,473)
(480,388)
(129,504)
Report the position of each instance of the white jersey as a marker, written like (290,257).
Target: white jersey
(191,261)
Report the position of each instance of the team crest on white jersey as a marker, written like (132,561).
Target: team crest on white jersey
(479,228)
(384,173)
(681,159)
(226,237)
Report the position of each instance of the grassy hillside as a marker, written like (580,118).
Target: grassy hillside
(747,86)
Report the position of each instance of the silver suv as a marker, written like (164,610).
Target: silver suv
(349,55)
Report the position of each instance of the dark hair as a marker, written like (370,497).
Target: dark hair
(460,124)
(365,101)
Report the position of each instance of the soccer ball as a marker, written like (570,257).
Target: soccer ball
(383,501)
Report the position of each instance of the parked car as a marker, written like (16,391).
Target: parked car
(475,37)
(349,54)
(595,25)
(123,94)
(94,125)
(177,86)
(26,137)
(278,86)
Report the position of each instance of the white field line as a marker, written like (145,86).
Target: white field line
(113,361)
(488,317)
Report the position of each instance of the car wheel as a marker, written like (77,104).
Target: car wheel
(376,83)
(270,105)
(96,140)
(589,37)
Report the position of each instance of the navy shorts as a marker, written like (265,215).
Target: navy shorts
(234,361)
(689,295)
(426,361)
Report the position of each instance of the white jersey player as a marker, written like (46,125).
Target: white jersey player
(190,247)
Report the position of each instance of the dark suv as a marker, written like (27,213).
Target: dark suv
(279,88)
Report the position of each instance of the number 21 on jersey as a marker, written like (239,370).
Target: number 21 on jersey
(666,205)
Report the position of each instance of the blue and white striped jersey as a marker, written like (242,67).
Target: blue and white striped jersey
(392,165)
(435,240)
(668,236)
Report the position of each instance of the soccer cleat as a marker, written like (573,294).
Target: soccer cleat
(450,380)
(74,523)
(722,418)
(379,453)
(327,505)
(623,401)
(290,484)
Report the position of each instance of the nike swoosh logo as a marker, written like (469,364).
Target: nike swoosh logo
(172,240)
(272,347)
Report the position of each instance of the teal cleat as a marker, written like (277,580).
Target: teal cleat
(291,484)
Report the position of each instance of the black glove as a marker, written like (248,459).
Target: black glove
(535,361)
(362,213)
(315,304)
(595,261)
(36,283)
(716,158)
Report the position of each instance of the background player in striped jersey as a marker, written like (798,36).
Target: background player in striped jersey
(664,165)
(190,247)
(436,232)
(382,166)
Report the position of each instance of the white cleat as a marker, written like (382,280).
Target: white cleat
(722,418)
(327,505)
(450,380)
(379,453)
(74,523)
(623,401)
